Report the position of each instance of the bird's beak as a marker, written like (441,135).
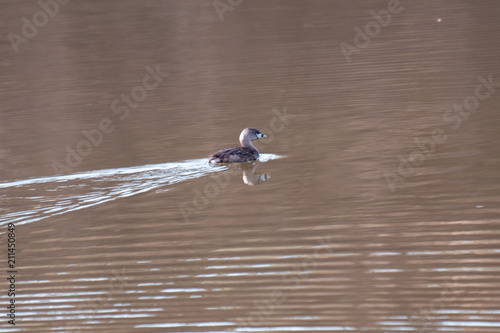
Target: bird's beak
(261,135)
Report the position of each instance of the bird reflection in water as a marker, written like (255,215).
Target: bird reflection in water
(250,177)
(248,170)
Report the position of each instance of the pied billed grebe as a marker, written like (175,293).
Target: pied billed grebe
(247,152)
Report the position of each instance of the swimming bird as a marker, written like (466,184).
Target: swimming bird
(247,152)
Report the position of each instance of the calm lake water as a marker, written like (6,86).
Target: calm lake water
(374,207)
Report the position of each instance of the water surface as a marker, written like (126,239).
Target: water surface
(142,235)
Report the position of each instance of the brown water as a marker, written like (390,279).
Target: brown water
(142,235)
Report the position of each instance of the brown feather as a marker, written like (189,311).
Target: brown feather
(236,154)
